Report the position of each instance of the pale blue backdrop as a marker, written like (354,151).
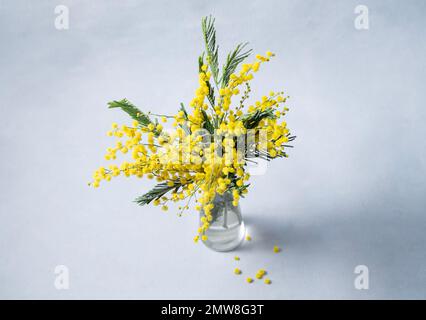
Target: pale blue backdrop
(351,193)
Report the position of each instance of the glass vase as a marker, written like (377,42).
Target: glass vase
(226,231)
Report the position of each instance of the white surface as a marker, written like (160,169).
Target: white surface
(352,191)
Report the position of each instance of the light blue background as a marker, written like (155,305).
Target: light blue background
(352,191)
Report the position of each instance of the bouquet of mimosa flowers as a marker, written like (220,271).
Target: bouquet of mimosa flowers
(207,149)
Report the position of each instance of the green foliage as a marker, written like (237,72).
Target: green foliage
(234,58)
(182,108)
(185,114)
(252,120)
(262,154)
(232,61)
(209,34)
(156,193)
(131,110)
(207,123)
(210,96)
(241,189)
(200,62)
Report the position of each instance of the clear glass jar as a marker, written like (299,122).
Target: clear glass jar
(226,231)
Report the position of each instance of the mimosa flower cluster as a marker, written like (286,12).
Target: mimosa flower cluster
(208,145)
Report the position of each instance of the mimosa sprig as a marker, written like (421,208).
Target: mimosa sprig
(202,156)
